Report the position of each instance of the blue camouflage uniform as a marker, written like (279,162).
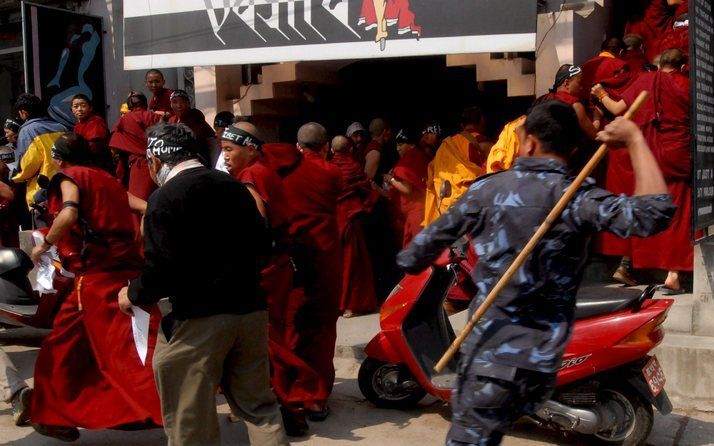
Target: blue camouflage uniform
(509,362)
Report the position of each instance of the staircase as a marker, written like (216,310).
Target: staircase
(282,86)
(518,72)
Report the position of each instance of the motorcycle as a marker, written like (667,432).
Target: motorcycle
(607,384)
(20,305)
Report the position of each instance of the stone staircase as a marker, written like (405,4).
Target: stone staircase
(518,72)
(282,86)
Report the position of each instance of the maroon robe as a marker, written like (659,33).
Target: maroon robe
(202,131)
(130,137)
(293,379)
(655,21)
(94,130)
(313,187)
(611,72)
(413,167)
(88,372)
(665,122)
(358,292)
(162,101)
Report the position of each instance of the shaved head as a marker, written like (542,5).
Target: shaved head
(672,58)
(377,127)
(312,136)
(341,144)
(250,128)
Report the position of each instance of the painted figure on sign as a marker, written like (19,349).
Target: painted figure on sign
(381,14)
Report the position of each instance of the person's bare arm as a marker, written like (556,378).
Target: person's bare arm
(648,176)
(584,121)
(258,201)
(64,221)
(371,164)
(136,204)
(617,108)
(404,187)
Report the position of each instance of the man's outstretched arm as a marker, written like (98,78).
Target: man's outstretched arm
(461,218)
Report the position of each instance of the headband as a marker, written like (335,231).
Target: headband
(179,94)
(12,124)
(433,128)
(240,137)
(72,150)
(160,147)
(221,122)
(403,137)
(565,74)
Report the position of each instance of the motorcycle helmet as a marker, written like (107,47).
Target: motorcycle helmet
(15,287)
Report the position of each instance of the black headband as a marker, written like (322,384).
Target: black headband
(180,94)
(72,150)
(160,147)
(241,137)
(12,124)
(566,73)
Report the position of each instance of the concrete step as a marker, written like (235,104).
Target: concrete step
(688,364)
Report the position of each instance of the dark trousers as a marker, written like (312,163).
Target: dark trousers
(490,398)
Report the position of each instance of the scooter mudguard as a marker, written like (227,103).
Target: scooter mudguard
(380,348)
(635,378)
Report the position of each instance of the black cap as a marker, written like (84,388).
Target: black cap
(564,73)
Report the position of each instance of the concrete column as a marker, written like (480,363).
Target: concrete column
(703,280)
(216,88)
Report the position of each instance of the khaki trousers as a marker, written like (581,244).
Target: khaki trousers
(10,381)
(226,349)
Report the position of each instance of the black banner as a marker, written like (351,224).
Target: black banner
(63,57)
(211,32)
(701,38)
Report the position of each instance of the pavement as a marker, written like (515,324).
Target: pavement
(353,420)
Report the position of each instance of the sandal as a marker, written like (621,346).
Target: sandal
(667,291)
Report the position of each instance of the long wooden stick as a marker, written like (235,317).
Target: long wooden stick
(542,230)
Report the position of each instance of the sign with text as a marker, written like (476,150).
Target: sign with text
(171,33)
(63,57)
(701,29)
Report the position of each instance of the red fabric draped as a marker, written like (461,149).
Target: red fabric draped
(609,71)
(665,122)
(636,61)
(283,158)
(88,372)
(292,377)
(313,188)
(358,293)
(162,101)
(655,21)
(94,130)
(202,131)
(412,167)
(130,136)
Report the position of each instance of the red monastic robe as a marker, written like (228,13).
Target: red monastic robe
(636,61)
(314,188)
(162,101)
(130,137)
(414,168)
(293,379)
(656,20)
(361,156)
(398,13)
(358,292)
(88,372)
(665,122)
(94,130)
(605,69)
(202,131)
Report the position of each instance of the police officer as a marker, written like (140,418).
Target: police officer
(509,361)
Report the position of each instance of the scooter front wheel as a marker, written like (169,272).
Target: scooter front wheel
(634,418)
(389,385)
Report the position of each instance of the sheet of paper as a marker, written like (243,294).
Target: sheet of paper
(140,328)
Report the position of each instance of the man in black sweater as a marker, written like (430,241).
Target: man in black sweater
(217,333)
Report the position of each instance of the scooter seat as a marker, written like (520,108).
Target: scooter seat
(595,306)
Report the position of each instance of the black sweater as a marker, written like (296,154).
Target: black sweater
(204,244)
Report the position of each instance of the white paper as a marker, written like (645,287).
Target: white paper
(46,270)
(140,329)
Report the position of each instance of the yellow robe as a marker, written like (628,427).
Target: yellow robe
(505,151)
(451,163)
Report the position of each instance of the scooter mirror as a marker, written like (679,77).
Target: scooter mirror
(445,191)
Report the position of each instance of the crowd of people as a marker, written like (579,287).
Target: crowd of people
(261,246)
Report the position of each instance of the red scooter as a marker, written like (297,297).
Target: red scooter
(607,383)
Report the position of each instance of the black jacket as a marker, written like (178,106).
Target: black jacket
(205,243)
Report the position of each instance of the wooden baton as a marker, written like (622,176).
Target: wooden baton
(542,230)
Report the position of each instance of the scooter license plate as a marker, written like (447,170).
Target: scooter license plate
(654,376)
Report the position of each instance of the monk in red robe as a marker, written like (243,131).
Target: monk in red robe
(606,69)
(205,136)
(314,188)
(88,372)
(657,18)
(129,138)
(678,35)
(358,291)
(409,180)
(634,54)
(161,96)
(381,133)
(94,129)
(665,121)
(244,159)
